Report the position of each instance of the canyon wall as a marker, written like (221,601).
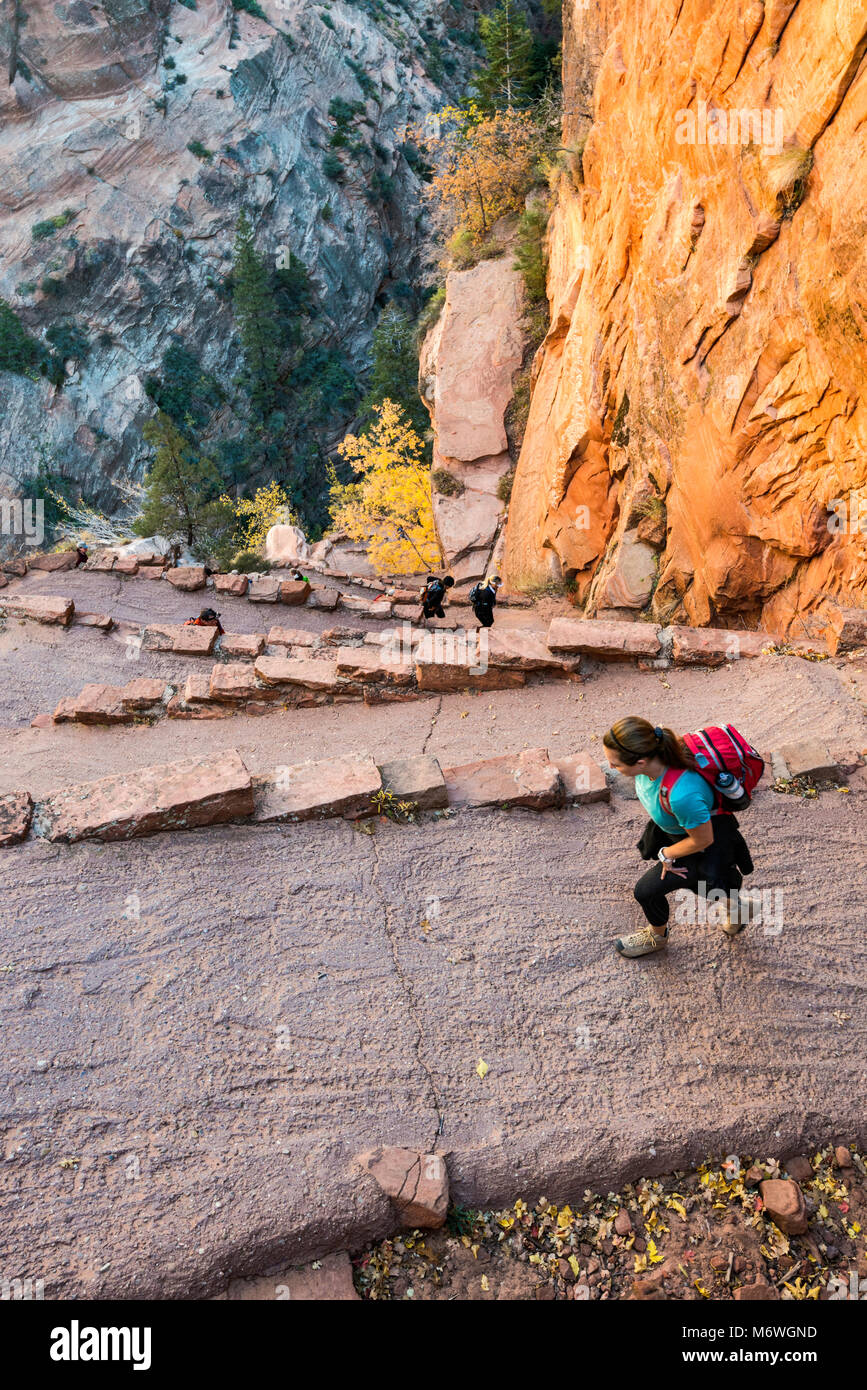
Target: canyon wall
(95,122)
(696,448)
(466,375)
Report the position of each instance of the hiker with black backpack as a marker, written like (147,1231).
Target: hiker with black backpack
(432,597)
(690,788)
(483,597)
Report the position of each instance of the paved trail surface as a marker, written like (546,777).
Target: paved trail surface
(202,1030)
(231,1015)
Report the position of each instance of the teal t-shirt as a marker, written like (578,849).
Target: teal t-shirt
(692,801)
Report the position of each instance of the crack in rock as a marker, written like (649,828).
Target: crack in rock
(406,986)
(433,720)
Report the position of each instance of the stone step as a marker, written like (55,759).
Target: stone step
(41,608)
(805,758)
(186,577)
(523,779)
(713,646)
(419,779)
(583,779)
(242,644)
(112,704)
(524,649)
(235,584)
(371,608)
(605,640)
(309,672)
(264,590)
(144,692)
(234,681)
(197,689)
(369,663)
(454,671)
(102,621)
(308,791)
(175,796)
(294,592)
(291,637)
(101,704)
(325,599)
(102,562)
(51,561)
(215,790)
(183,639)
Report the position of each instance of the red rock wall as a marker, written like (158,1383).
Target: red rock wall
(699,400)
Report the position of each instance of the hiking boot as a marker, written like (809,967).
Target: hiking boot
(641,943)
(735,921)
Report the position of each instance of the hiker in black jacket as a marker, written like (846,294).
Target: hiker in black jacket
(483,597)
(432,597)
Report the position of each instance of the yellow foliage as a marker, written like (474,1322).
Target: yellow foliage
(255,516)
(392,492)
(485,164)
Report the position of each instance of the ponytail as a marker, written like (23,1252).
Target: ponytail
(633,739)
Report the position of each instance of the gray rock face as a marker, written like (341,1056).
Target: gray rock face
(466,377)
(97,125)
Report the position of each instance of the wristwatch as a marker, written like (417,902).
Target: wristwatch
(663,857)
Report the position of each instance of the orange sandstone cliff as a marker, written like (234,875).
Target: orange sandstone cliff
(696,449)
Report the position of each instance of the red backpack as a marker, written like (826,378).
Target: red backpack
(718,751)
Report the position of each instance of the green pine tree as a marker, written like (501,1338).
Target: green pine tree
(507,78)
(184,392)
(18,351)
(257,321)
(183,490)
(394,373)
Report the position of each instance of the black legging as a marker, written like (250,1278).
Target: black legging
(484,614)
(713,867)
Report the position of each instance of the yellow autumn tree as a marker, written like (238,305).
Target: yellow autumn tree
(254,516)
(390,495)
(485,164)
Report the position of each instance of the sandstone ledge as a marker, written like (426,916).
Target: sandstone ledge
(211,791)
(525,779)
(174,796)
(606,640)
(330,787)
(41,608)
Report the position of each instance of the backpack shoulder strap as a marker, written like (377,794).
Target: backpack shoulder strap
(668,780)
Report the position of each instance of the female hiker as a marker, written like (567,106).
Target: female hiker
(483,597)
(696,843)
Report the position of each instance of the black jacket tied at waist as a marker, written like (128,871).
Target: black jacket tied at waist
(729,849)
